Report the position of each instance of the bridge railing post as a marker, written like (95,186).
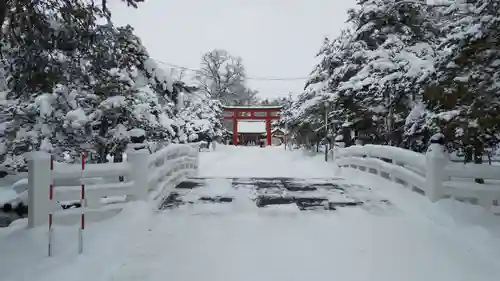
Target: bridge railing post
(338,145)
(436,161)
(195,154)
(197,163)
(38,188)
(139,171)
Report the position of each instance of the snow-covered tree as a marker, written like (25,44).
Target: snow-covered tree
(394,55)
(30,15)
(466,85)
(374,72)
(222,77)
(202,121)
(200,118)
(305,114)
(38,43)
(79,86)
(419,127)
(405,70)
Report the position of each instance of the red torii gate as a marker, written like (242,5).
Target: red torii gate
(258,112)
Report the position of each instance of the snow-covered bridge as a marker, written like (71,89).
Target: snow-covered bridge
(269,214)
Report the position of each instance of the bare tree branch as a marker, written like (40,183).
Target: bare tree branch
(222,76)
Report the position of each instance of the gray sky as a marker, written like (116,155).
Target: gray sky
(275,38)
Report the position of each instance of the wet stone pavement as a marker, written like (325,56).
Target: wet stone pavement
(307,194)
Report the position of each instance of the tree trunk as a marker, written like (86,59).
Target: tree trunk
(102,149)
(346,136)
(478,156)
(468,155)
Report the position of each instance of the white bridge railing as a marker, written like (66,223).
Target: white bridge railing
(431,174)
(144,176)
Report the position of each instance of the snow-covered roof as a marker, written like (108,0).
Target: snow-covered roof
(251,127)
(252,106)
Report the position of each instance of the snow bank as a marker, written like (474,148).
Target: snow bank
(474,226)
(24,252)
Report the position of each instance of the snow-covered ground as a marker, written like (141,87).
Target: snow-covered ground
(410,239)
(229,161)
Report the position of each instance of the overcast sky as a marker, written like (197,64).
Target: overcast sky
(275,38)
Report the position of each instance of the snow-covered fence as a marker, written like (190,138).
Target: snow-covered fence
(144,176)
(182,162)
(432,174)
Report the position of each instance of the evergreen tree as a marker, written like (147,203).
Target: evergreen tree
(202,121)
(465,90)
(306,114)
(75,85)
(375,71)
(395,54)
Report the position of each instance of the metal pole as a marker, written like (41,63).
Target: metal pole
(389,117)
(326,132)
(286,132)
(51,198)
(389,123)
(82,206)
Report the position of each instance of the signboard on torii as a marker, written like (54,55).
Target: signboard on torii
(266,113)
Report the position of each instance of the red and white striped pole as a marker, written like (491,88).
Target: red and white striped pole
(51,197)
(82,207)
